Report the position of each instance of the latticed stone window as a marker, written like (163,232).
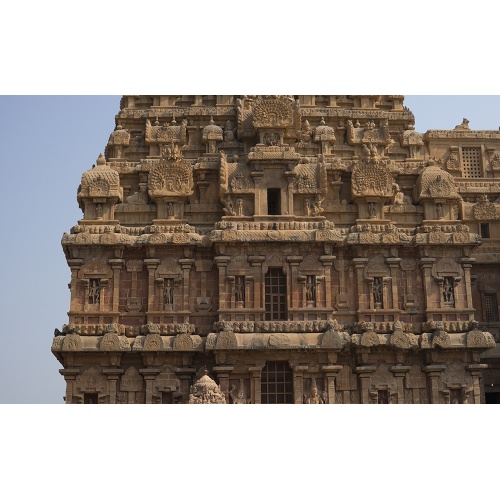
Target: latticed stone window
(277,383)
(485,230)
(490,308)
(275,295)
(471,162)
(95,291)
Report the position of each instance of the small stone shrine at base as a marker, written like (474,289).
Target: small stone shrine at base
(284,249)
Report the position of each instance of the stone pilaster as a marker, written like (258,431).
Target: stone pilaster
(399,372)
(69,376)
(331,372)
(113,375)
(364,374)
(434,374)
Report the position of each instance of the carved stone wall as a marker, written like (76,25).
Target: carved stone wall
(226,239)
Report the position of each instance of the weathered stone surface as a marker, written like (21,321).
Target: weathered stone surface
(320,240)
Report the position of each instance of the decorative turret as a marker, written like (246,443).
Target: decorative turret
(118,139)
(325,135)
(206,391)
(99,191)
(212,134)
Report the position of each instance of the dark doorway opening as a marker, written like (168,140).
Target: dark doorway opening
(90,398)
(492,398)
(274,201)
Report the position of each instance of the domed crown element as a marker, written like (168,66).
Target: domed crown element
(119,137)
(206,391)
(212,132)
(434,182)
(100,181)
(324,132)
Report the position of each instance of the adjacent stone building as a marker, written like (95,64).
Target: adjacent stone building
(284,249)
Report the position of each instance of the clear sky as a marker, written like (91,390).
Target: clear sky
(46,143)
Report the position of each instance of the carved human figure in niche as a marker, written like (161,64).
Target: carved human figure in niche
(98,211)
(95,291)
(448,290)
(239,397)
(271,139)
(372,211)
(239,288)
(168,291)
(439,210)
(228,206)
(317,208)
(229,132)
(398,195)
(314,398)
(170,210)
(377,290)
(307,207)
(239,206)
(310,288)
(306,132)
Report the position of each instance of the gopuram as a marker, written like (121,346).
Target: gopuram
(284,249)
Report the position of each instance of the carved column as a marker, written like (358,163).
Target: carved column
(257,177)
(364,374)
(393,263)
(331,371)
(399,373)
(294,261)
(434,375)
(256,262)
(116,265)
(290,177)
(359,265)
(467,265)
(69,376)
(151,264)
(185,376)
(74,265)
(223,373)
(475,371)
(298,383)
(222,263)
(149,375)
(426,267)
(255,384)
(113,377)
(327,261)
(186,269)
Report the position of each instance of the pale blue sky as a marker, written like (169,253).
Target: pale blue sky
(46,144)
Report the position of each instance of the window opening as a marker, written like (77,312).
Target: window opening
(275,288)
(276,383)
(90,398)
(274,201)
(383,397)
(471,158)
(485,230)
(490,308)
(456,396)
(167,398)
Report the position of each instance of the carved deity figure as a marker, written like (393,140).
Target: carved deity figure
(377,290)
(95,291)
(170,210)
(448,290)
(372,211)
(398,195)
(239,206)
(307,207)
(239,288)
(98,211)
(229,132)
(239,398)
(310,288)
(439,210)
(314,398)
(168,291)
(306,132)
(228,206)
(139,197)
(317,208)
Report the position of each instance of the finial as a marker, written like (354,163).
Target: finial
(322,122)
(211,120)
(101,160)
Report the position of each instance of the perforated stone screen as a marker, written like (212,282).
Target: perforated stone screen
(471,161)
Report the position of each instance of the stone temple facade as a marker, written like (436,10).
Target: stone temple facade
(284,249)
